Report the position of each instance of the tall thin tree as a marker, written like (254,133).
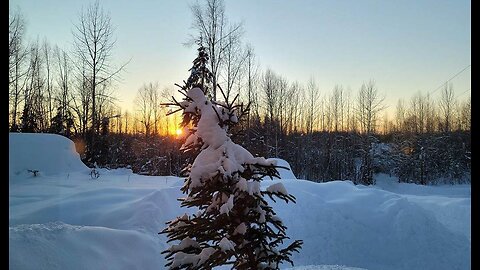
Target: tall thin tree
(211,24)
(94,43)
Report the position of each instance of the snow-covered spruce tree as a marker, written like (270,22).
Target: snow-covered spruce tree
(234,224)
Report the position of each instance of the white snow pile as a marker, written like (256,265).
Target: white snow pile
(45,153)
(64,219)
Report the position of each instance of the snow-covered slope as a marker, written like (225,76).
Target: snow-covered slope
(67,220)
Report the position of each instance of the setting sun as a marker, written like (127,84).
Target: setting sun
(179,132)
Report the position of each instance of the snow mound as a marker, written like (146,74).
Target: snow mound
(360,226)
(47,153)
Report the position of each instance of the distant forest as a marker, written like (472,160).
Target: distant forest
(338,134)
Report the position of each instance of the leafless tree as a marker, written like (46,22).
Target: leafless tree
(33,116)
(81,98)
(466,114)
(313,95)
(17,58)
(430,114)
(400,115)
(295,101)
(147,105)
(216,33)
(337,104)
(284,97)
(47,56)
(447,105)
(156,107)
(127,121)
(94,43)
(271,85)
(350,118)
(386,124)
(252,72)
(63,80)
(234,64)
(165,96)
(418,113)
(270,93)
(369,105)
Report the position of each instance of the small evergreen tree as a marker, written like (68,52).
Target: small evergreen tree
(200,75)
(234,223)
(29,122)
(62,123)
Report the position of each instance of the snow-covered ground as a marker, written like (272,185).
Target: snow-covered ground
(64,219)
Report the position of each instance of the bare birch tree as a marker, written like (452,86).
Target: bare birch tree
(17,58)
(216,34)
(94,43)
(447,104)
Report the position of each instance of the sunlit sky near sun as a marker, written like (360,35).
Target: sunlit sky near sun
(405,46)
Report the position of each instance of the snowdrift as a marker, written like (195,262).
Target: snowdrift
(47,153)
(70,221)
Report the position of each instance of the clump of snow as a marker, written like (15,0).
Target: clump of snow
(278,188)
(184,258)
(187,242)
(226,244)
(205,254)
(241,229)
(242,184)
(253,187)
(67,221)
(226,207)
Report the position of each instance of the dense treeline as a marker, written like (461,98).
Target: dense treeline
(325,134)
(423,158)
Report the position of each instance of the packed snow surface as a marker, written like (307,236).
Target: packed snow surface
(64,219)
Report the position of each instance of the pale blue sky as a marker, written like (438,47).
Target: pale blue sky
(405,46)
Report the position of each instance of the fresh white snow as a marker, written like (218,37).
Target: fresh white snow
(226,244)
(219,154)
(53,154)
(64,219)
(278,188)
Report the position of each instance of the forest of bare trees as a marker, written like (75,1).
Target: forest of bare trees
(325,134)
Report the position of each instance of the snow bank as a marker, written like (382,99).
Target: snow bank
(451,204)
(370,228)
(47,153)
(69,221)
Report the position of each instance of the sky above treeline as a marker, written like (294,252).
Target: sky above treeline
(405,46)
